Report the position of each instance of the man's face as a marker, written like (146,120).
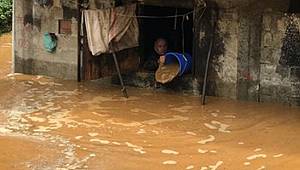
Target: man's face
(161,47)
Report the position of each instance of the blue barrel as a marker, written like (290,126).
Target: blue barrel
(184,61)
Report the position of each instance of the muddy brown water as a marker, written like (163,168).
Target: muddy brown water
(166,73)
(5,54)
(52,124)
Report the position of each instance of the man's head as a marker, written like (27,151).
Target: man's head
(160,46)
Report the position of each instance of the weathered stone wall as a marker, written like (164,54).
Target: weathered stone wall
(224,65)
(250,27)
(100,4)
(280,62)
(256,53)
(23,36)
(222,25)
(34,18)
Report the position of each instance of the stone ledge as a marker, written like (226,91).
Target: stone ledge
(39,67)
(184,84)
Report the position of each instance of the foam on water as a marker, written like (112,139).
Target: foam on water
(190,167)
(170,162)
(132,124)
(116,143)
(261,168)
(210,138)
(191,133)
(166,151)
(222,127)
(257,150)
(247,163)
(217,165)
(93,134)
(278,155)
(36,119)
(214,114)
(159,121)
(135,148)
(96,140)
(202,151)
(141,131)
(210,126)
(212,167)
(182,109)
(252,157)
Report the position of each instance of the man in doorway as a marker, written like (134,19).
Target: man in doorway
(157,57)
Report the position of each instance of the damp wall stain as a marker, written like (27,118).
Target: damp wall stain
(208,29)
(44,3)
(290,51)
(249,68)
(37,23)
(69,13)
(28,19)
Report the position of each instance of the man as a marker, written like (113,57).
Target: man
(157,57)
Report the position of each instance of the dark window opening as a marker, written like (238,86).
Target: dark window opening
(179,34)
(294,6)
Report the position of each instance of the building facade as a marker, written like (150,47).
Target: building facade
(256,54)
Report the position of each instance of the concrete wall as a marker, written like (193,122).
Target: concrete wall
(253,42)
(22,36)
(224,65)
(249,53)
(280,61)
(223,72)
(32,20)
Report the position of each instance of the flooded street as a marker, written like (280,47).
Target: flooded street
(53,124)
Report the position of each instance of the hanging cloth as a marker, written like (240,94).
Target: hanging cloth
(114,25)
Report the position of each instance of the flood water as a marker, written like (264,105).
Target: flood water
(52,124)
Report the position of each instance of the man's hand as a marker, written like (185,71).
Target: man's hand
(162,59)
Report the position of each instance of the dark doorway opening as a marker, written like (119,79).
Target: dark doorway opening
(294,6)
(178,31)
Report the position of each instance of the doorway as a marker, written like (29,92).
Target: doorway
(175,25)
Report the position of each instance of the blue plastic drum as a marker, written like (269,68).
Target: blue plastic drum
(184,61)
